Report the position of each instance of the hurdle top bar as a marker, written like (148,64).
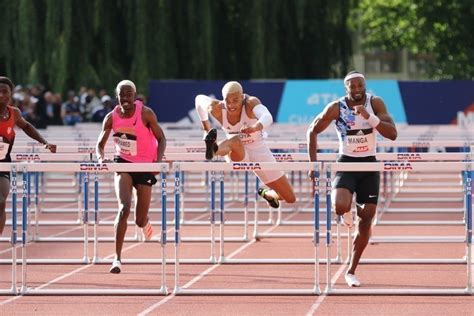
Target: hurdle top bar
(400,166)
(280,157)
(86,167)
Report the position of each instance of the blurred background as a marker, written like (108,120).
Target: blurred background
(66,56)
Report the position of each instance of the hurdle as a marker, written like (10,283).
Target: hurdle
(416,166)
(88,168)
(190,166)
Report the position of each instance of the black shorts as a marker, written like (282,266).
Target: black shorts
(145,178)
(365,185)
(5,174)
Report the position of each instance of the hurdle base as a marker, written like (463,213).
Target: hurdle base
(85,292)
(245,292)
(399,292)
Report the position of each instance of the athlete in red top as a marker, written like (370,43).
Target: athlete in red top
(9,117)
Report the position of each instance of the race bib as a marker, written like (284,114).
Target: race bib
(360,143)
(4,150)
(125,144)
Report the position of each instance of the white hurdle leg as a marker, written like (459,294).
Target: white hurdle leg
(255,225)
(163,240)
(221,219)
(95,257)
(14,241)
(328,230)
(85,258)
(177,236)
(24,230)
(246,207)
(213,217)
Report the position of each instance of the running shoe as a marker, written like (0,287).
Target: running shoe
(352,280)
(116,266)
(211,146)
(147,231)
(270,200)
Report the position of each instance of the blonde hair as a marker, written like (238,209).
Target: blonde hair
(124,83)
(231,87)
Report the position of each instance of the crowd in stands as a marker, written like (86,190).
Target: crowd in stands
(41,107)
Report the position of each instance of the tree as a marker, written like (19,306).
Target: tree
(440,28)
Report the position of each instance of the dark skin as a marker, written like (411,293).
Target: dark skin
(342,198)
(30,130)
(123,181)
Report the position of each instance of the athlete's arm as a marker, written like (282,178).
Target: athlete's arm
(258,111)
(103,137)
(151,121)
(206,105)
(319,124)
(31,131)
(386,127)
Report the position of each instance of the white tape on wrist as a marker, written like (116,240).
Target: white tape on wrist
(373,120)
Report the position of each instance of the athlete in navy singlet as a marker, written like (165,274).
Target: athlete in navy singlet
(358,117)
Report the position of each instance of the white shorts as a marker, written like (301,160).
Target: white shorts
(261,154)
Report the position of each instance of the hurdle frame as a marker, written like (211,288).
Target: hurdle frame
(416,166)
(76,167)
(187,166)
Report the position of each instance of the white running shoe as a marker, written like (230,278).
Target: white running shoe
(352,280)
(348,219)
(116,266)
(147,232)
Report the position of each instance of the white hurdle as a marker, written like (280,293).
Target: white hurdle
(87,168)
(419,167)
(220,167)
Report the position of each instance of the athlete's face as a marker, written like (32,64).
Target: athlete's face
(126,97)
(233,101)
(355,89)
(5,94)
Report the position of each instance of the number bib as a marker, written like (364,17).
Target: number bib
(360,143)
(4,150)
(125,146)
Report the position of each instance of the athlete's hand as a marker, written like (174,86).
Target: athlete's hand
(360,109)
(249,129)
(104,160)
(50,147)
(311,175)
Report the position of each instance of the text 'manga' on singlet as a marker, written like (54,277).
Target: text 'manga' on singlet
(356,136)
(133,141)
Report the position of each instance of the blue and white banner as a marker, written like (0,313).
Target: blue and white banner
(302,100)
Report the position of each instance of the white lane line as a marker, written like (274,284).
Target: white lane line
(321,298)
(204,273)
(57,234)
(85,267)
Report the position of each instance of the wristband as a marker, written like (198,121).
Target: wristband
(373,120)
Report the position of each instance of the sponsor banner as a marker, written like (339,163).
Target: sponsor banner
(173,101)
(436,102)
(302,100)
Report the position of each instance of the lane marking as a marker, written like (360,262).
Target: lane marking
(321,298)
(204,273)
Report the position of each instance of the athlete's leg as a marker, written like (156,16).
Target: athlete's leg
(4,190)
(342,200)
(143,204)
(366,214)
(232,147)
(123,191)
(281,190)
